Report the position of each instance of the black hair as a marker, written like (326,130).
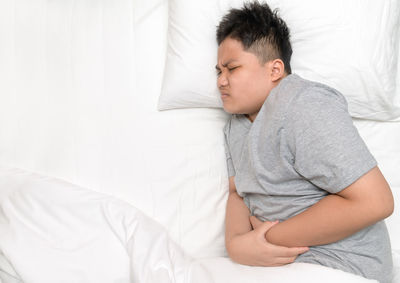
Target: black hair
(260,30)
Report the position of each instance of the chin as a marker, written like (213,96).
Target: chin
(231,109)
(228,109)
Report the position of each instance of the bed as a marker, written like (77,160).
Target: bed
(112,164)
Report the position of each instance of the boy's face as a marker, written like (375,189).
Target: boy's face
(243,82)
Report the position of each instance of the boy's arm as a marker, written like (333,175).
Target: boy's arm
(248,246)
(337,216)
(237,214)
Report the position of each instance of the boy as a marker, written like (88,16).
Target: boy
(295,157)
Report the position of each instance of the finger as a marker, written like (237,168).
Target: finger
(286,252)
(265,226)
(284,260)
(276,261)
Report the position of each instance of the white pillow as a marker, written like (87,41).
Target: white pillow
(350,45)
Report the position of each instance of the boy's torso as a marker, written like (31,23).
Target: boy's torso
(266,154)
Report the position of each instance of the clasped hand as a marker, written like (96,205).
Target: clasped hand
(253,249)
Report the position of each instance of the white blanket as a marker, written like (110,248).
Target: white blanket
(52,231)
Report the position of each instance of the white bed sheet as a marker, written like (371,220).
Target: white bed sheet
(53,231)
(86,111)
(57,120)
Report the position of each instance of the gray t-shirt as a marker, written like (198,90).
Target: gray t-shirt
(301,147)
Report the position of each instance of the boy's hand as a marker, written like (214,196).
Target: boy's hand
(252,248)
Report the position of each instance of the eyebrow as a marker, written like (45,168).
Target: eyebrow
(226,64)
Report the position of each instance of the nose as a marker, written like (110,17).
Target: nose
(222,81)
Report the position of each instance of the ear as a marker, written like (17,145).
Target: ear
(277,70)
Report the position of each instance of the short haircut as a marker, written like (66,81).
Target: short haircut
(260,30)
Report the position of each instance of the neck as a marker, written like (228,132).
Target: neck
(251,117)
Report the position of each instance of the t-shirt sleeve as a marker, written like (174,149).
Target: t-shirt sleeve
(327,148)
(229,163)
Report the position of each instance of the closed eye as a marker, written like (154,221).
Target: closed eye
(229,69)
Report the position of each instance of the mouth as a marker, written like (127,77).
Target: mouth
(224,96)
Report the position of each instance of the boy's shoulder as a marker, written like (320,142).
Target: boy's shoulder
(304,91)
(296,94)
(317,106)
